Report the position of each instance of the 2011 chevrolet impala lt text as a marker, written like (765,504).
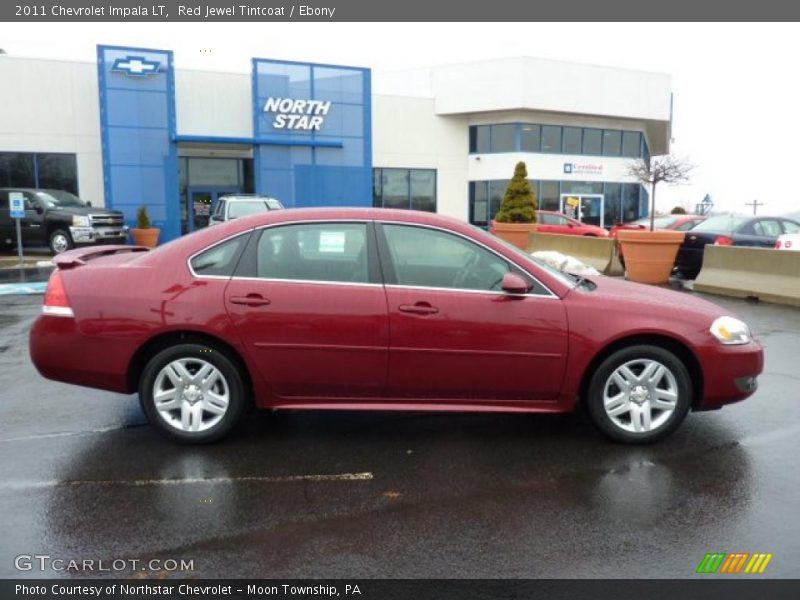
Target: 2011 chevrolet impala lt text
(381,310)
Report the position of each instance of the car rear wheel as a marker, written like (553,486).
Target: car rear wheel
(639,394)
(193,393)
(60,241)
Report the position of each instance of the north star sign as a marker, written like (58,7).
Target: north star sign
(290,113)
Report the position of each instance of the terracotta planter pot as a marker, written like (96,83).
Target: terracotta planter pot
(514,233)
(650,255)
(145,237)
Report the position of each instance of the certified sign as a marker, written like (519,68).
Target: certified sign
(17,202)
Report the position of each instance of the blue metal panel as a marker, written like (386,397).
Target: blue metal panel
(329,166)
(137,119)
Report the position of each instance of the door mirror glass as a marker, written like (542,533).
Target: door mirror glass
(514,283)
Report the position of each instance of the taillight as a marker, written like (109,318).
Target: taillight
(56,303)
(777,244)
(723,240)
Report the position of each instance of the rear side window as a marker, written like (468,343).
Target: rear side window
(767,228)
(791,227)
(220,261)
(325,252)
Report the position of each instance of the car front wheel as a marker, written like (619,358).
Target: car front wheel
(193,393)
(639,394)
(60,241)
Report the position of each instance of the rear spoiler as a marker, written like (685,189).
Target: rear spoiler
(80,256)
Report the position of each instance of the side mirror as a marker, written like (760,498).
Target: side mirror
(515,284)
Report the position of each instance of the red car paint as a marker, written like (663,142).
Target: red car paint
(564,225)
(355,346)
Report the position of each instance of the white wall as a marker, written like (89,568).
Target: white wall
(53,106)
(408,134)
(216,104)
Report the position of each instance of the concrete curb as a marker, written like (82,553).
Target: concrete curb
(600,253)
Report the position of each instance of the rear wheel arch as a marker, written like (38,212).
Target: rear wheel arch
(673,345)
(165,340)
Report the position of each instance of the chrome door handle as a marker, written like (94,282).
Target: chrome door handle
(250,300)
(420,308)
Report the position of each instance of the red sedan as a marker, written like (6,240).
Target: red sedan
(554,222)
(381,310)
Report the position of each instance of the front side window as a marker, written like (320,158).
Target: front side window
(220,261)
(422,257)
(325,252)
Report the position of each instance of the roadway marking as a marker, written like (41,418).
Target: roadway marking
(8,289)
(25,485)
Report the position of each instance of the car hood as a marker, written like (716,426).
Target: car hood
(631,297)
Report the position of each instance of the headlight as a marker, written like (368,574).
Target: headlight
(731,331)
(81,221)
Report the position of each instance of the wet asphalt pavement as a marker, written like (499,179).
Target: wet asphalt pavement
(82,476)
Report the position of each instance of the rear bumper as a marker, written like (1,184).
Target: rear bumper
(730,374)
(60,352)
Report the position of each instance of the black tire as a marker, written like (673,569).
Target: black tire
(601,378)
(60,241)
(233,381)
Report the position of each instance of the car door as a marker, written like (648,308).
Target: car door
(309,306)
(34,232)
(453,334)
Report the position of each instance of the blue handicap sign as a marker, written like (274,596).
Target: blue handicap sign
(17,202)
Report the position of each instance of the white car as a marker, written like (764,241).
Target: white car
(242,205)
(788,241)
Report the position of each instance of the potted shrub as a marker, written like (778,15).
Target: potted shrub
(517,215)
(143,233)
(650,253)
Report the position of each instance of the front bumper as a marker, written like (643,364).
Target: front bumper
(92,235)
(731,373)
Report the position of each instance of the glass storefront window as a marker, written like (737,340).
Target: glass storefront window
(479,138)
(551,138)
(404,188)
(612,142)
(630,202)
(479,202)
(39,170)
(581,187)
(631,144)
(572,140)
(497,189)
(549,195)
(503,138)
(593,142)
(531,138)
(612,203)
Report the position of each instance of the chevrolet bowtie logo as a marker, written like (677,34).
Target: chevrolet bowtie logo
(136,65)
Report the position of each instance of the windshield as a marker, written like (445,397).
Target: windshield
(720,223)
(60,198)
(242,208)
(565,278)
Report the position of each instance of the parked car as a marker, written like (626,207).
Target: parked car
(60,220)
(788,241)
(553,222)
(729,230)
(242,205)
(673,222)
(380,309)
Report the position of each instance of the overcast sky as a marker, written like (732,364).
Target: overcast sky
(736,87)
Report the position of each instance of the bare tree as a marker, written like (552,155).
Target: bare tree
(668,169)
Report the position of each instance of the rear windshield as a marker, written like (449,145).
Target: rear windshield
(242,208)
(720,223)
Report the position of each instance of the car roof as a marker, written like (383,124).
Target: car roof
(231,197)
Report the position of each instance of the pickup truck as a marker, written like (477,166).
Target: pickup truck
(60,220)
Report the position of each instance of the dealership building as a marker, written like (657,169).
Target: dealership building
(131,130)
